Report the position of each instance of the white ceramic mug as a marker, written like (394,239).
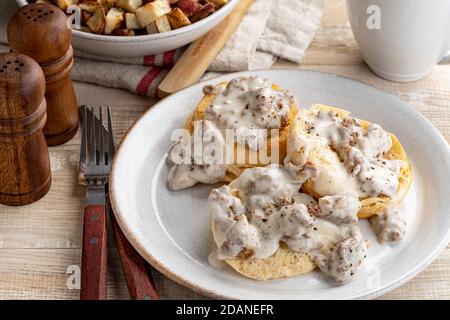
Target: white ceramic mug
(401,40)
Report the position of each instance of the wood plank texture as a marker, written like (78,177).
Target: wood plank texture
(39,242)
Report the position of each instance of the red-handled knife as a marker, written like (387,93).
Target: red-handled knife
(136,270)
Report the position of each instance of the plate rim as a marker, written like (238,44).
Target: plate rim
(215,294)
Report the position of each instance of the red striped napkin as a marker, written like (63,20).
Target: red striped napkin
(139,75)
(159,63)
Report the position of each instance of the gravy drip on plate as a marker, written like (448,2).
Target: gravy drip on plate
(361,153)
(389,225)
(246,105)
(265,206)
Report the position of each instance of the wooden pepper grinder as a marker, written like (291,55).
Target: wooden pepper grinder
(41,31)
(24,161)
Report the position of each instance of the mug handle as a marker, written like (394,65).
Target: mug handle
(445,55)
(21,3)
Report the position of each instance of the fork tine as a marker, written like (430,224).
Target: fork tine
(88,121)
(93,134)
(101,138)
(83,149)
(110,137)
(106,138)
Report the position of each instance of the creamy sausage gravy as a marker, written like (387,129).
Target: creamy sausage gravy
(356,159)
(246,105)
(265,206)
(202,169)
(250,103)
(355,164)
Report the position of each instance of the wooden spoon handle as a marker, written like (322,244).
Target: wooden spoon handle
(136,270)
(199,55)
(94,268)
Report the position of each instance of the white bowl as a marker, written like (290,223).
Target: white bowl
(138,46)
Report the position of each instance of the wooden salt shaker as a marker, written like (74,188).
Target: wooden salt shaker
(24,161)
(41,31)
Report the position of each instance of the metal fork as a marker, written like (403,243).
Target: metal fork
(97,149)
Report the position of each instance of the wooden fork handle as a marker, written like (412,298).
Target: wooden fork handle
(94,254)
(135,268)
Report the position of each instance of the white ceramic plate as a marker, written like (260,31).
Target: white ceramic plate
(171,229)
(139,46)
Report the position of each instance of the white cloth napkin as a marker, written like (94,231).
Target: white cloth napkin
(271,29)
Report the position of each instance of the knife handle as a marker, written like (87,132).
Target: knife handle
(94,268)
(135,268)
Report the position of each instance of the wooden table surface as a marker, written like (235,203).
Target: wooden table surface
(40,244)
